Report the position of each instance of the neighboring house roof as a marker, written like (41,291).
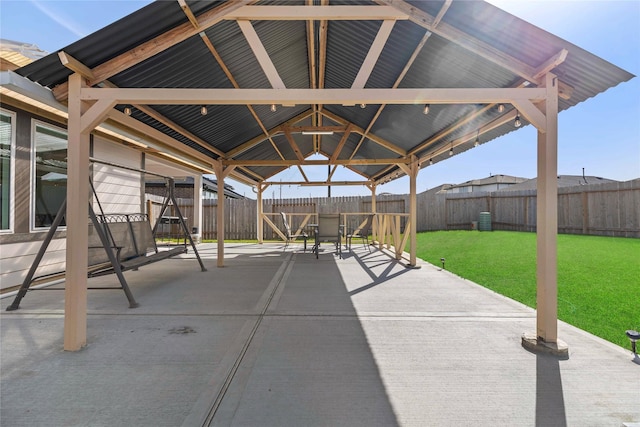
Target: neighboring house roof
(493,179)
(15,54)
(563,181)
(207,184)
(203,45)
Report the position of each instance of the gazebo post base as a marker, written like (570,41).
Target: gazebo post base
(537,345)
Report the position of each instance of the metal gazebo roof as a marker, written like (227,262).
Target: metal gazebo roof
(273,44)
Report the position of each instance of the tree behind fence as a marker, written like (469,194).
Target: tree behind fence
(611,209)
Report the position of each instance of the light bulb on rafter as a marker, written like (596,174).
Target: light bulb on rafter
(517,123)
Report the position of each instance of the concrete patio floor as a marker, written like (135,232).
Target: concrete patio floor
(278,338)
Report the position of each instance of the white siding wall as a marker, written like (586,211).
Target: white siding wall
(119,190)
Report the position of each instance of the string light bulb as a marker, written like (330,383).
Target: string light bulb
(430,162)
(477,141)
(273,108)
(426,109)
(500,108)
(451,151)
(127,111)
(203,110)
(517,123)
(363,105)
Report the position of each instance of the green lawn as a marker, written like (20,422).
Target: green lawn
(598,277)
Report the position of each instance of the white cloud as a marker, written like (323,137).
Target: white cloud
(60,18)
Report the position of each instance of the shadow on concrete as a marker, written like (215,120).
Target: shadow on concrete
(365,262)
(550,406)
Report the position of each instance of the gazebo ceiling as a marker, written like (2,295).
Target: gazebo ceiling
(378,61)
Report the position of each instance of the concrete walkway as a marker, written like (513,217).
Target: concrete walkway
(278,338)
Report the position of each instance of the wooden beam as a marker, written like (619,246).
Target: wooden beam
(550,64)
(318,183)
(74,65)
(443,10)
(308,162)
(154,46)
(374,53)
(317,13)
(304,175)
(299,129)
(404,96)
(532,114)
(189,14)
(293,145)
(261,54)
(341,144)
(95,115)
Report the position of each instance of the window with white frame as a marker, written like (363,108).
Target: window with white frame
(7,159)
(49,173)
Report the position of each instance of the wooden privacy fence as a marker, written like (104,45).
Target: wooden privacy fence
(611,209)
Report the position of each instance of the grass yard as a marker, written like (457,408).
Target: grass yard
(598,277)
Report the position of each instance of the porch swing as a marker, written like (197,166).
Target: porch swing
(118,242)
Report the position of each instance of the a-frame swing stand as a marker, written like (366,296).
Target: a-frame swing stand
(117,243)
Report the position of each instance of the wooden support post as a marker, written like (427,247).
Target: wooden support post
(546,337)
(413,211)
(259,221)
(75,294)
(547,218)
(219,171)
(374,225)
(197,208)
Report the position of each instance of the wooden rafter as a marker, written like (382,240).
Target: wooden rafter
(154,46)
(374,53)
(235,84)
(441,13)
(341,144)
(293,145)
(74,65)
(269,133)
(357,129)
(189,13)
(298,129)
(261,54)
(403,73)
(318,183)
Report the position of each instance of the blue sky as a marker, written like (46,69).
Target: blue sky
(601,135)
